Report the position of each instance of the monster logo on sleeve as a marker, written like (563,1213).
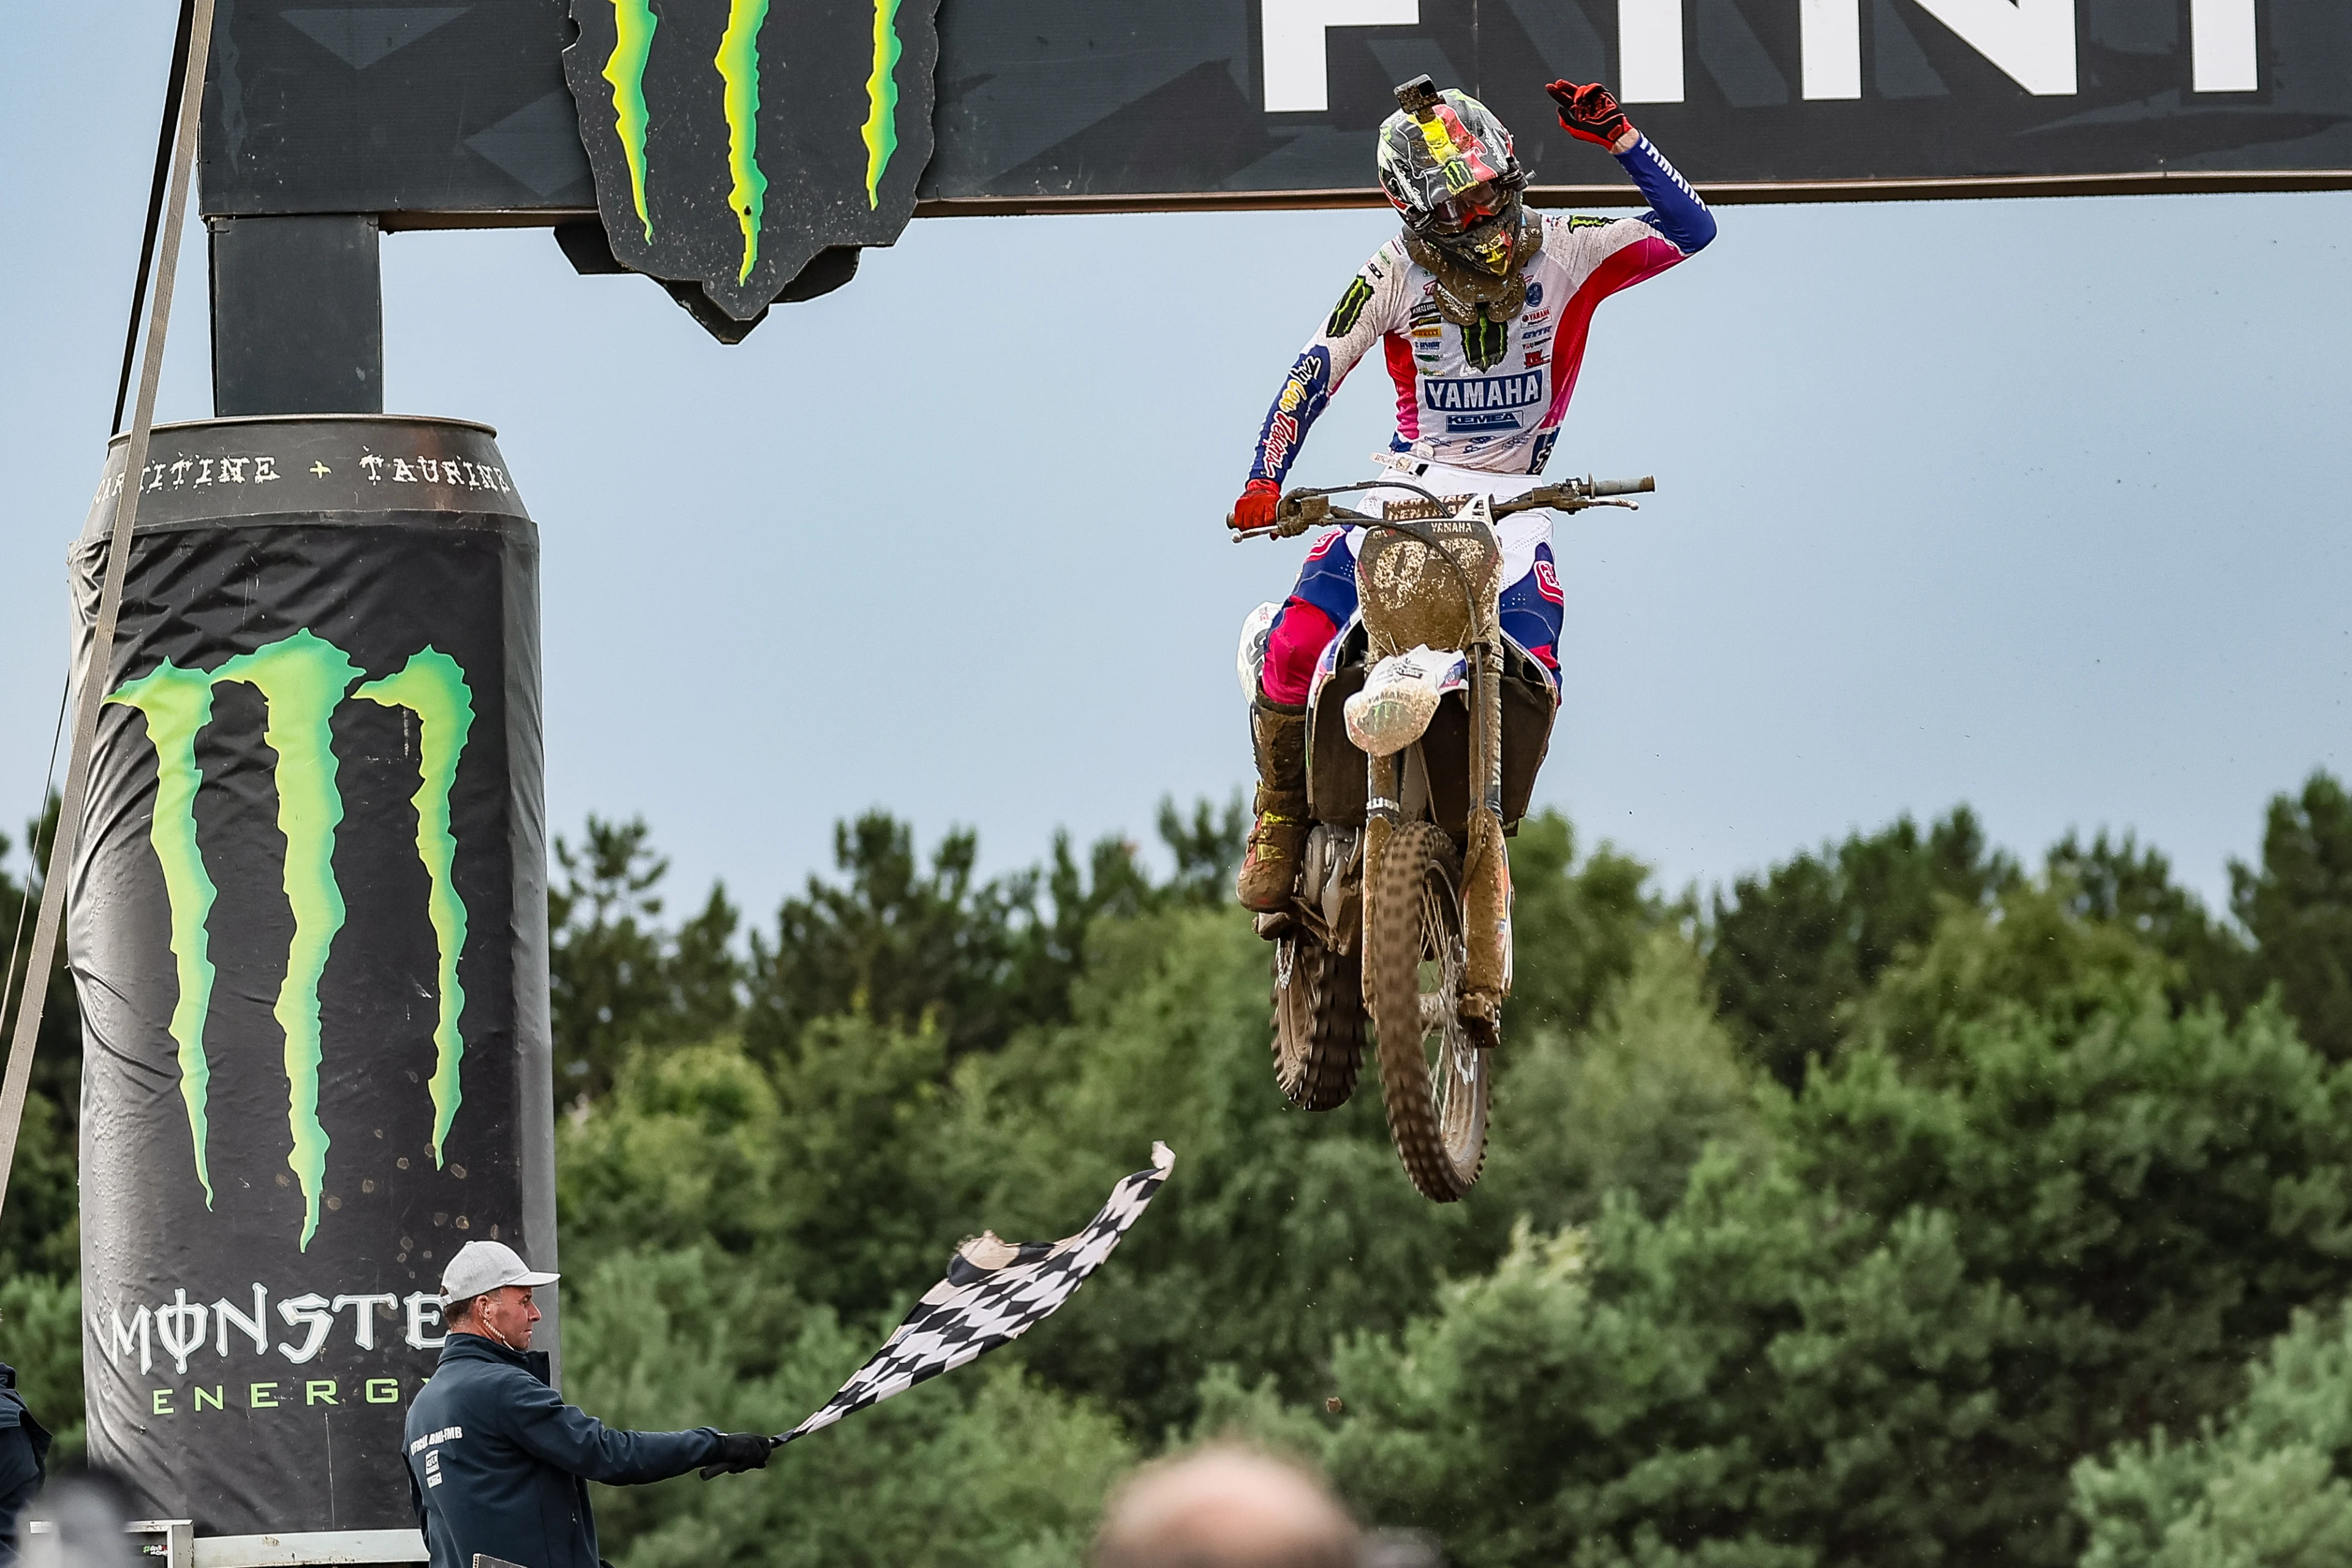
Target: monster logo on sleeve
(734,141)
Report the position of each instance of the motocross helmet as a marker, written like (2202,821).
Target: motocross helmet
(1447,166)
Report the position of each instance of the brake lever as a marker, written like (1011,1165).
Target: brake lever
(1571,502)
(1299,513)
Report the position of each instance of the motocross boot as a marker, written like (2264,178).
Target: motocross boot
(1270,870)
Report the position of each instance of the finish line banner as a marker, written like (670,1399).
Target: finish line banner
(459,115)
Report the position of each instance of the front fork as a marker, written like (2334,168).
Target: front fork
(1486,868)
(1381,791)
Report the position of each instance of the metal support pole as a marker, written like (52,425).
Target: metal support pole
(297,315)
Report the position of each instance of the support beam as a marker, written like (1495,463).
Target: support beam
(297,315)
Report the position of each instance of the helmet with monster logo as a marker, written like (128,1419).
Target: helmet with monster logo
(1447,166)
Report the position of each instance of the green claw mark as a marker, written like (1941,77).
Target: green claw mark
(882,96)
(633,45)
(302,678)
(738,67)
(431,686)
(177,703)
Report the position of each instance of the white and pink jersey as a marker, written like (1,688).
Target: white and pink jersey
(1488,397)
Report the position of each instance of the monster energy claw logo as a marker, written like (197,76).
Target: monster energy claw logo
(303,678)
(738,67)
(1350,310)
(738,64)
(881,130)
(634,23)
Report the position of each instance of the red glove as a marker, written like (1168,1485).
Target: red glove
(1589,114)
(1255,508)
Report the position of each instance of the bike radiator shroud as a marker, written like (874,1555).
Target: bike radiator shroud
(309,929)
(1336,768)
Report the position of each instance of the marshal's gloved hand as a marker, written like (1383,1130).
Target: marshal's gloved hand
(1589,114)
(741,1451)
(1256,508)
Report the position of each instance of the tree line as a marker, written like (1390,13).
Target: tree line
(1899,1202)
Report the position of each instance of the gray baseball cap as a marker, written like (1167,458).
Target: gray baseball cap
(482,1266)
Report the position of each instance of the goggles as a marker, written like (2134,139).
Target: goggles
(1454,213)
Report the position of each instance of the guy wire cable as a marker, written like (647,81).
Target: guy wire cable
(97,664)
(33,854)
(171,86)
(173,81)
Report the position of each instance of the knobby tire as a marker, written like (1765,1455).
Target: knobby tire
(1318,1023)
(1436,1107)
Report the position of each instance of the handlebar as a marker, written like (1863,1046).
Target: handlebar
(1307,508)
(1640,487)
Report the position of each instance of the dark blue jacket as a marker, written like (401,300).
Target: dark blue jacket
(24,1454)
(498,1463)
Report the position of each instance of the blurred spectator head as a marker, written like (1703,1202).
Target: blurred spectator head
(85,1512)
(1225,1507)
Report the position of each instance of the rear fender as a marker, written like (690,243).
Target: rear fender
(1249,660)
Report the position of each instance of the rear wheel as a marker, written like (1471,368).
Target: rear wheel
(1318,1023)
(1435,1080)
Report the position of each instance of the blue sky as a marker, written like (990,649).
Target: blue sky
(2034,505)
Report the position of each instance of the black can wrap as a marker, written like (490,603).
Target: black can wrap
(308,922)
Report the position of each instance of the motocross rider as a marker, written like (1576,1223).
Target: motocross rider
(1481,309)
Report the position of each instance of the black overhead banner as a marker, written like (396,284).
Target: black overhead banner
(460,113)
(308,923)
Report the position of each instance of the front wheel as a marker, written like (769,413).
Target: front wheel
(1435,1079)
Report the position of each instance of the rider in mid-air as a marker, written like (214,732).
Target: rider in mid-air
(1482,311)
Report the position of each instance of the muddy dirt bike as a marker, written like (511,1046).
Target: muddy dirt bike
(1427,725)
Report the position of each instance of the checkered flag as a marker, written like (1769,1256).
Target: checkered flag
(995,1291)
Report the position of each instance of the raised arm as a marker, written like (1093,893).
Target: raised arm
(1589,114)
